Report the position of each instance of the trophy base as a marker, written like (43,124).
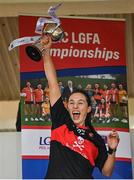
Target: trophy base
(34,53)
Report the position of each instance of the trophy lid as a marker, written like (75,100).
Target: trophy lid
(56,32)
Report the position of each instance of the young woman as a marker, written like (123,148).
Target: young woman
(76,148)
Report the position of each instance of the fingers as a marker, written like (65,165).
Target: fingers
(113,139)
(114,134)
(46,38)
(46,41)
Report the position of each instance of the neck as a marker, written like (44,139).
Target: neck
(80,125)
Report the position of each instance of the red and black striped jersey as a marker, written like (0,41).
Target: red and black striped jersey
(72,155)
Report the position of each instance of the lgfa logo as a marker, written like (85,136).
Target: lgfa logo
(44,141)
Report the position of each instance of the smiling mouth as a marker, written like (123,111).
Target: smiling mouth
(76,115)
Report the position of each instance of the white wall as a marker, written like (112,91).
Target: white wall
(131,113)
(8,113)
(10,142)
(132,148)
(10,155)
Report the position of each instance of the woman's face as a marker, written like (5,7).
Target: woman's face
(89,86)
(120,86)
(78,108)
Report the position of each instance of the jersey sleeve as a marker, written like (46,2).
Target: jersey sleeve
(102,154)
(59,114)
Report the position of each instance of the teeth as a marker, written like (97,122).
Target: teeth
(76,112)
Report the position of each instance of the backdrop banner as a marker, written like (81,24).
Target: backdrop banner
(92,56)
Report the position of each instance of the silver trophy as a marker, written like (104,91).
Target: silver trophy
(35,50)
(44,26)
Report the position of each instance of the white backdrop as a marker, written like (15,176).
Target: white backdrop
(10,155)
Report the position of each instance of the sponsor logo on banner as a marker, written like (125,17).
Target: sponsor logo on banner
(39,144)
(44,143)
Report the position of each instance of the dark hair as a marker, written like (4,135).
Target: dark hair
(88,118)
(82,92)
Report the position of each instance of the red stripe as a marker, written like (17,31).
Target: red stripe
(123,159)
(35,127)
(96,128)
(34,157)
(47,157)
(109,129)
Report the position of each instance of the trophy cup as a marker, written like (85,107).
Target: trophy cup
(35,50)
(44,26)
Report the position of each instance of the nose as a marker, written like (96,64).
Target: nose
(75,105)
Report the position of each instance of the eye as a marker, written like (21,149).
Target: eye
(71,103)
(80,103)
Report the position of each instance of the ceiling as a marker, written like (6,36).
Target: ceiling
(69,7)
(9,11)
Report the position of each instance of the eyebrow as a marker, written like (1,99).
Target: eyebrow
(78,100)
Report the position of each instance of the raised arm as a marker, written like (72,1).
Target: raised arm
(113,140)
(50,70)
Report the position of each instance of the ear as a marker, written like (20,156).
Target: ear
(65,105)
(89,109)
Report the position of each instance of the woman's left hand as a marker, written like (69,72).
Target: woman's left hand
(113,139)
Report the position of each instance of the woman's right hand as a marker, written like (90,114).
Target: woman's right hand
(46,42)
